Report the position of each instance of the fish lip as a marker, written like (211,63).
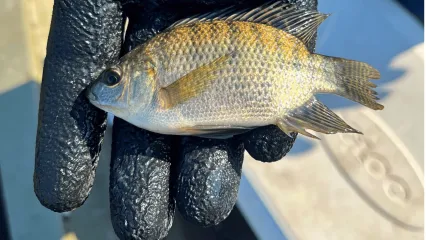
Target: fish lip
(90,95)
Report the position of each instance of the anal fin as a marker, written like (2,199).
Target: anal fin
(315,116)
(287,125)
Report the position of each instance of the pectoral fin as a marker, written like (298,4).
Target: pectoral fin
(192,84)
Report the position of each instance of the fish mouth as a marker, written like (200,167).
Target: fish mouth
(90,95)
(94,99)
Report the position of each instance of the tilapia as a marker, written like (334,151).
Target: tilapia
(226,72)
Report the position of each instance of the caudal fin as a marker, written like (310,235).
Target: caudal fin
(349,79)
(352,81)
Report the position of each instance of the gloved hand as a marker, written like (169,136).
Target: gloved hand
(150,173)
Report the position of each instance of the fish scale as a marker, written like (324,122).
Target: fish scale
(252,62)
(223,73)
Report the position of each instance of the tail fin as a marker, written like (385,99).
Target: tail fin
(352,81)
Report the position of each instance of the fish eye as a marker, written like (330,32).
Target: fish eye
(111,77)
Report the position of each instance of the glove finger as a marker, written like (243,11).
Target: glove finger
(269,143)
(208,179)
(140,200)
(141,205)
(82,39)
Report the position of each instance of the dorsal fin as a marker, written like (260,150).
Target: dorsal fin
(301,23)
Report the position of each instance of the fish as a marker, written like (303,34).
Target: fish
(225,72)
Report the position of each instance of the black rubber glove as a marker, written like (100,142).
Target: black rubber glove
(149,172)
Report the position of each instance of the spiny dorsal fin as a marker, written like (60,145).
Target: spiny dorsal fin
(192,84)
(301,23)
(316,116)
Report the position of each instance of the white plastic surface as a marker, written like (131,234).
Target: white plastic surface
(350,186)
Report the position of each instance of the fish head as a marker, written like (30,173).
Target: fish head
(106,92)
(125,88)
